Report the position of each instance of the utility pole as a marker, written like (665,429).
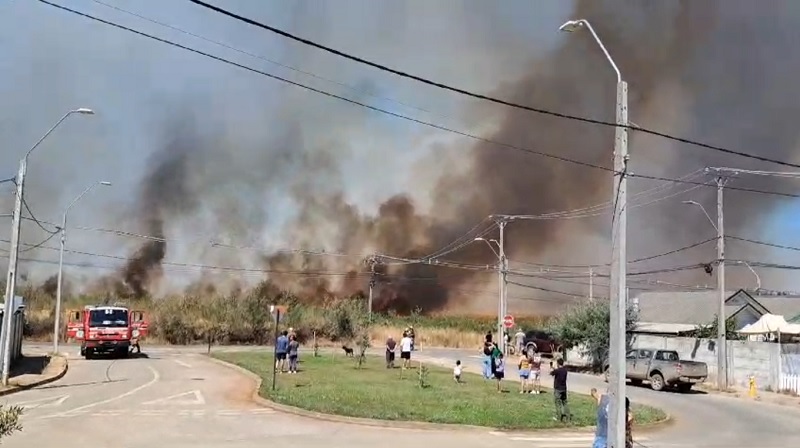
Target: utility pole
(502,270)
(372,261)
(617,417)
(11,280)
(722,337)
(591,285)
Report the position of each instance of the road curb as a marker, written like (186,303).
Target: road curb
(395,424)
(52,378)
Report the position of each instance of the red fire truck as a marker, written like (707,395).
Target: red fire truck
(106,329)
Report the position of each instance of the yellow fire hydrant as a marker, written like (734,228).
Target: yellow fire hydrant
(753,391)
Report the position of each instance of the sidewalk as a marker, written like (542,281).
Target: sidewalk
(34,370)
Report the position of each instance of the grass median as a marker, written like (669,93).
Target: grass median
(332,384)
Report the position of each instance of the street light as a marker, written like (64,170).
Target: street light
(11,280)
(619,233)
(57,324)
(722,337)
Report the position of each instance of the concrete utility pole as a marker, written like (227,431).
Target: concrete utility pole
(502,273)
(591,285)
(722,336)
(503,286)
(616,423)
(372,261)
(11,283)
(57,323)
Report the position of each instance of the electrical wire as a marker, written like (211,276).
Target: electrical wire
(271,61)
(384,111)
(480,96)
(325,93)
(33,218)
(762,243)
(40,244)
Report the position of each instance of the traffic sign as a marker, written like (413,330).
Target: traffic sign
(508,321)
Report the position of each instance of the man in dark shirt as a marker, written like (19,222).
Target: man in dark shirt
(560,392)
(281,348)
(391,345)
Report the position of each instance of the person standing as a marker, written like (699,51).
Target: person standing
(405,350)
(524,365)
(560,392)
(603,407)
(281,347)
(536,371)
(293,352)
(519,341)
(499,370)
(487,356)
(391,346)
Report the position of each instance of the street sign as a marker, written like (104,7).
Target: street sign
(278,311)
(508,321)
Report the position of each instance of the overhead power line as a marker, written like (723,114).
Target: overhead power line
(384,111)
(478,95)
(762,243)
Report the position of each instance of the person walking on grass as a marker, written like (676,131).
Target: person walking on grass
(499,370)
(406,344)
(524,366)
(560,392)
(457,371)
(281,348)
(293,352)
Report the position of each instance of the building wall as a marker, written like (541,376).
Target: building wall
(745,358)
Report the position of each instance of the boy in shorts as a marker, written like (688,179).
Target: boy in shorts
(457,371)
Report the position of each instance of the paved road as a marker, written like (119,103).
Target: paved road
(703,420)
(178,398)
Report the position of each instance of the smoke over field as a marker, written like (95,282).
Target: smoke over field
(687,75)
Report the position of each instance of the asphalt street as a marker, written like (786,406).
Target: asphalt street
(700,419)
(178,398)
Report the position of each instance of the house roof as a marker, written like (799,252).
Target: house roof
(690,308)
(700,307)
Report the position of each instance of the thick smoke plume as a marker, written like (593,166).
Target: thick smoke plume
(685,75)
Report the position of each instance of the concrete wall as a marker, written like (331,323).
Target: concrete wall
(745,358)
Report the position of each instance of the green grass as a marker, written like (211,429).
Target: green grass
(333,385)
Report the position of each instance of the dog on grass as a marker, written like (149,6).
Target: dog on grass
(347,351)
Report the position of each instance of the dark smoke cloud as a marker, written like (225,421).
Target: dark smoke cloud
(654,44)
(708,70)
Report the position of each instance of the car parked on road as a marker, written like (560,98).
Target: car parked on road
(541,341)
(662,369)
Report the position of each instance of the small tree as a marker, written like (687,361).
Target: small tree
(587,327)
(349,320)
(9,420)
(709,330)
(422,376)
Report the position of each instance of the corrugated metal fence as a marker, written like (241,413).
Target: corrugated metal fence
(18,323)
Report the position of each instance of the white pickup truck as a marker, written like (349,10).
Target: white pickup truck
(663,368)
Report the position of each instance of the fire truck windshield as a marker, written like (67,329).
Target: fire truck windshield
(108,317)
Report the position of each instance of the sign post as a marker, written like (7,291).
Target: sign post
(277,311)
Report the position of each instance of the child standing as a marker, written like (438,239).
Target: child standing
(457,370)
(499,370)
(536,372)
(524,372)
